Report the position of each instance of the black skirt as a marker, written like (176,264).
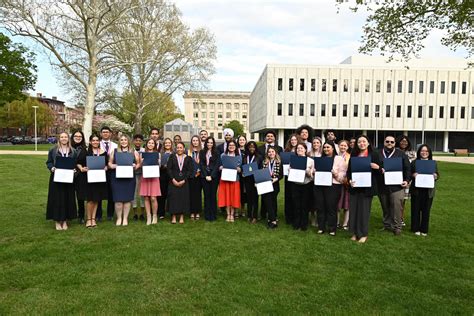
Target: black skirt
(80,183)
(195,195)
(178,199)
(61,204)
(96,191)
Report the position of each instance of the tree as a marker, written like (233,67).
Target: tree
(17,70)
(76,35)
(236,126)
(162,54)
(399,27)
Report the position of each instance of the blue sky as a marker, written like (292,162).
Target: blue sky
(251,34)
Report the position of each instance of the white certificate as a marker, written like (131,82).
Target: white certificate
(362,179)
(124,172)
(393,177)
(286,169)
(425,181)
(151,171)
(64,175)
(296,175)
(323,178)
(229,175)
(96,176)
(264,187)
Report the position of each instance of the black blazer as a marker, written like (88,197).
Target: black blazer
(173,168)
(213,168)
(406,172)
(416,191)
(258,159)
(53,153)
(277,174)
(375,158)
(261,149)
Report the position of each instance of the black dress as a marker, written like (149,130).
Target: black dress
(61,205)
(195,187)
(178,197)
(93,191)
(80,178)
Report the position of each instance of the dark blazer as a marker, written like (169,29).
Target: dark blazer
(173,168)
(277,174)
(375,158)
(258,159)
(213,168)
(262,149)
(414,190)
(220,148)
(53,153)
(406,172)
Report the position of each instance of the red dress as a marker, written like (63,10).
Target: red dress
(229,193)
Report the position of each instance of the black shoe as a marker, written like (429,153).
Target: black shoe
(110,218)
(142,217)
(135,217)
(81,221)
(98,219)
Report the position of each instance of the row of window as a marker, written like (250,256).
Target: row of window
(366,110)
(228,115)
(212,106)
(378,86)
(212,123)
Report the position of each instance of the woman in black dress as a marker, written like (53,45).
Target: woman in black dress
(251,155)
(180,169)
(61,205)
(167,150)
(94,192)
(195,186)
(80,180)
(242,142)
(209,162)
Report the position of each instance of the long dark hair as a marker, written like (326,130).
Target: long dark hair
(430,153)
(333,149)
(247,151)
(213,149)
(236,147)
(399,139)
(288,147)
(82,144)
(356,150)
(89,148)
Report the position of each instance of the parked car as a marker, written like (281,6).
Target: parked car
(17,140)
(40,140)
(4,139)
(28,140)
(52,140)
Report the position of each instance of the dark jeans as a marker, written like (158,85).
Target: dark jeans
(270,202)
(420,211)
(252,197)
(301,194)
(359,215)
(210,199)
(326,203)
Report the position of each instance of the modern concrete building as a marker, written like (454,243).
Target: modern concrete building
(211,110)
(426,98)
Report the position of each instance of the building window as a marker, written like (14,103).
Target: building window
(323,85)
(344,110)
(366,110)
(228,115)
(313,84)
(451,114)
(312,109)
(219,135)
(280,84)
(203,114)
(212,134)
(409,111)
(472,112)
(245,106)
(463,112)
(378,84)
(430,111)
(367,85)
(420,86)
(301,109)
(441,112)
(345,86)
(279,109)
(387,111)
(377,110)
(453,87)
(236,106)
(410,86)
(356,85)
(195,114)
(244,116)
(236,115)
(431,86)
(400,86)
(290,109)
(323,109)
(301,84)
(420,111)
(212,106)
(464,87)
(203,123)
(211,123)
(399,111)
(195,105)
(334,85)
(219,115)
(334,110)
(219,123)
(219,106)
(195,124)
(290,84)
(389,86)
(442,87)
(211,115)
(203,105)
(228,106)
(356,110)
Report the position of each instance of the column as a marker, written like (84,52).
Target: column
(281,137)
(446,142)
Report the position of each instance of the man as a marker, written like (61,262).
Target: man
(155,134)
(228,136)
(138,202)
(330,136)
(108,146)
(176,140)
(391,196)
(270,140)
(305,132)
(203,135)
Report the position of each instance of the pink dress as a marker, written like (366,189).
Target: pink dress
(150,187)
(344,199)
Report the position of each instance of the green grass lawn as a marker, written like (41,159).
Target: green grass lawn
(30,147)
(230,268)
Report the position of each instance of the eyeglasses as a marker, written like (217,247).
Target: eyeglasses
(77,136)
(389,142)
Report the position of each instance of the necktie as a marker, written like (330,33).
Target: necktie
(107,147)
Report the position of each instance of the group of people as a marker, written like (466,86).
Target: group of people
(189,174)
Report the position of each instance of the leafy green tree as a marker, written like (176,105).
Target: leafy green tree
(236,126)
(17,70)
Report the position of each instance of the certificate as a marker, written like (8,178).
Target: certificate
(124,165)
(150,168)
(263,181)
(323,174)
(425,170)
(249,169)
(229,164)
(297,172)
(96,169)
(361,172)
(362,179)
(393,174)
(285,160)
(124,172)
(64,170)
(424,181)
(229,175)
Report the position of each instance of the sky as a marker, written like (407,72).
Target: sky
(251,34)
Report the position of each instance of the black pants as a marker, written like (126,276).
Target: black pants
(270,202)
(301,195)
(359,215)
(210,199)
(252,197)
(420,211)
(164,182)
(289,208)
(80,209)
(326,199)
(110,200)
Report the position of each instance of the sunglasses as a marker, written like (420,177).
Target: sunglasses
(389,142)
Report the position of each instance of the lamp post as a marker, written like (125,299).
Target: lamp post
(36,133)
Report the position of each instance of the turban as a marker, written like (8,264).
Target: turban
(228,131)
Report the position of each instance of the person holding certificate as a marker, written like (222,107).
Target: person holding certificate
(394,179)
(302,191)
(61,205)
(362,175)
(209,166)
(241,142)
(180,168)
(150,186)
(138,202)
(78,143)
(422,193)
(108,146)
(404,144)
(123,187)
(229,189)
(251,158)
(289,148)
(273,163)
(344,199)
(316,150)
(326,195)
(195,185)
(164,178)
(94,191)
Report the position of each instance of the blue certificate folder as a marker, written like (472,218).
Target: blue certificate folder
(393,164)
(164,159)
(262,175)
(65,163)
(150,159)
(124,159)
(298,162)
(249,169)
(425,166)
(230,162)
(286,156)
(95,162)
(323,163)
(360,164)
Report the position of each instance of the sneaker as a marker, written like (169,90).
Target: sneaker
(424,234)
(418,233)
(320,231)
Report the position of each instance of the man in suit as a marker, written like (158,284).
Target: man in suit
(270,140)
(108,146)
(228,136)
(203,135)
(155,134)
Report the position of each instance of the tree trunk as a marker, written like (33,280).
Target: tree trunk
(89,107)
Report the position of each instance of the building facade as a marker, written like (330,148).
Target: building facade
(428,100)
(211,110)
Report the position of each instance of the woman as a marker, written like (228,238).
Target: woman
(195,185)
(273,163)
(327,196)
(123,189)
(180,169)
(289,209)
(94,192)
(421,198)
(344,199)
(302,192)
(61,205)
(164,178)
(78,143)
(352,142)
(150,188)
(316,147)
(403,142)
(209,166)
(361,198)
(251,155)
(229,192)
(241,141)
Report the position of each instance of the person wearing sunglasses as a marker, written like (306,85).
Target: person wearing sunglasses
(391,196)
